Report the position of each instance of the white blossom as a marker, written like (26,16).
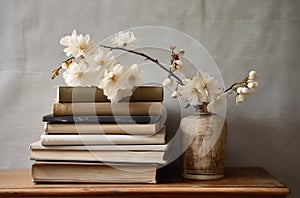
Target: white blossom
(201,88)
(168,82)
(211,87)
(193,91)
(102,59)
(134,76)
(118,82)
(77,45)
(124,39)
(80,75)
(252,84)
(252,75)
(65,65)
(239,98)
(177,65)
(181,52)
(174,94)
(217,103)
(245,90)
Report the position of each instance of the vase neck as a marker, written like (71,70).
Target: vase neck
(202,109)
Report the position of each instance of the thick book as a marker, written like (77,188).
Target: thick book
(107,108)
(70,94)
(88,128)
(111,119)
(105,153)
(99,139)
(79,172)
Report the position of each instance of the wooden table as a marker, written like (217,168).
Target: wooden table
(238,182)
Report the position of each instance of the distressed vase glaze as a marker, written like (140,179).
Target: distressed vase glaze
(204,136)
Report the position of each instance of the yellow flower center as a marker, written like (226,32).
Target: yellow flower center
(101,62)
(79,75)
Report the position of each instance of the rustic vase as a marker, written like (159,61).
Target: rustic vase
(204,137)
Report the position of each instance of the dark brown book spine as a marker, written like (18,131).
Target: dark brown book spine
(67,94)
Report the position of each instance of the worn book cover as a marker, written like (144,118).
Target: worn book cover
(68,94)
(80,172)
(98,139)
(90,128)
(103,153)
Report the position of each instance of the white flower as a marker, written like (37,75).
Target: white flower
(252,84)
(181,52)
(124,39)
(211,87)
(118,82)
(65,65)
(77,45)
(102,59)
(193,91)
(168,82)
(79,75)
(252,75)
(177,65)
(218,103)
(110,78)
(245,90)
(239,98)
(174,94)
(134,76)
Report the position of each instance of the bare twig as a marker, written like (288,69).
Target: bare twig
(147,58)
(236,83)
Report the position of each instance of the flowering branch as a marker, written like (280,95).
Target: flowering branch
(66,63)
(147,58)
(89,65)
(243,82)
(55,72)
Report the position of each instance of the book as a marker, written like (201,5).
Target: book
(107,108)
(104,153)
(109,147)
(68,94)
(111,119)
(98,139)
(79,172)
(87,128)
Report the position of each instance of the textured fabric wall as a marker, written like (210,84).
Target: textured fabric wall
(240,35)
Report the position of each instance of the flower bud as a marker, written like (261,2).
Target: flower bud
(181,52)
(252,84)
(178,63)
(239,98)
(174,94)
(252,75)
(245,90)
(239,90)
(64,66)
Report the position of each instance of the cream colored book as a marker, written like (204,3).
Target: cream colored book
(98,139)
(78,172)
(86,128)
(107,108)
(105,153)
(109,147)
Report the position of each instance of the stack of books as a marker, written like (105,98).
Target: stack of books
(87,139)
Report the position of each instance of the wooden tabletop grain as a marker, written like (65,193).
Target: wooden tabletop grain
(238,182)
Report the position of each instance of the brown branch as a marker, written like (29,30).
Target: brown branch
(236,83)
(147,58)
(55,72)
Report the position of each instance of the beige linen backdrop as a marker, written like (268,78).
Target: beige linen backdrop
(240,35)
